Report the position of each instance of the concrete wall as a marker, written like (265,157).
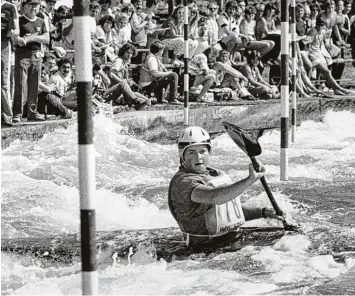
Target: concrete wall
(163,125)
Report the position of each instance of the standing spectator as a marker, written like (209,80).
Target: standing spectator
(154,76)
(346,11)
(9,27)
(47,13)
(28,61)
(341,19)
(140,21)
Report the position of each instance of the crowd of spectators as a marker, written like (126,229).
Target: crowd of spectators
(138,51)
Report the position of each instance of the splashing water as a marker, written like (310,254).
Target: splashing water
(40,197)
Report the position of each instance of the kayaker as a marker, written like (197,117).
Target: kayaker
(203,200)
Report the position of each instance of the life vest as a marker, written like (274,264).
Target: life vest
(218,219)
(229,216)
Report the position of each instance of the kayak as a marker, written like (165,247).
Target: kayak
(165,243)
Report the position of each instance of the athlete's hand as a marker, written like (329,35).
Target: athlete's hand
(253,175)
(270,213)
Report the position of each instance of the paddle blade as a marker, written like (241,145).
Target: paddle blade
(245,141)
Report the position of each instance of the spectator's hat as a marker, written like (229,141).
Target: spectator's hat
(31,2)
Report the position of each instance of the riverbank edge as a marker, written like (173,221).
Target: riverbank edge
(163,123)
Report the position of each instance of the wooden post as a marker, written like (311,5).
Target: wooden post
(294,70)
(83,60)
(285,45)
(186,63)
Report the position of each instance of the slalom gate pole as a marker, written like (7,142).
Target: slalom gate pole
(285,45)
(186,63)
(294,72)
(83,60)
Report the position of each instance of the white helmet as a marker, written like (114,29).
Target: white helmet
(191,136)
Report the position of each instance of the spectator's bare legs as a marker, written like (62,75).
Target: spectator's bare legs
(229,70)
(262,46)
(206,81)
(330,81)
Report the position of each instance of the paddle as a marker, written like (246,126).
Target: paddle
(251,147)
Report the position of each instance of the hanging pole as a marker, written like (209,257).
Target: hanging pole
(87,186)
(285,45)
(186,63)
(294,72)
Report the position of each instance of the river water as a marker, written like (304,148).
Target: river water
(40,198)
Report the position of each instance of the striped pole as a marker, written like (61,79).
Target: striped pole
(186,63)
(83,72)
(284,89)
(294,67)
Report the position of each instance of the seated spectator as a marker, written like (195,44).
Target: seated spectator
(266,23)
(226,75)
(198,67)
(154,77)
(316,38)
(331,30)
(122,30)
(227,41)
(257,86)
(100,82)
(162,7)
(266,29)
(105,9)
(62,19)
(106,36)
(247,28)
(203,35)
(49,99)
(50,62)
(259,10)
(63,81)
(301,30)
(121,85)
(173,38)
(228,29)
(315,9)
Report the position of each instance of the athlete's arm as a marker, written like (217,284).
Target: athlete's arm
(220,195)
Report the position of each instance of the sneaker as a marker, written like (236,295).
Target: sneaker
(5,120)
(16,118)
(36,117)
(69,115)
(175,102)
(145,105)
